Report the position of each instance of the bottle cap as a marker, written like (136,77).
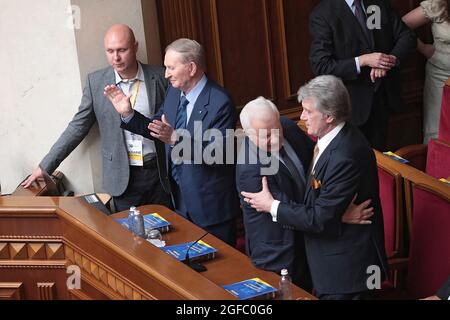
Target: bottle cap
(284,272)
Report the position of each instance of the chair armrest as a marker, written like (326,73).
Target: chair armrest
(416,154)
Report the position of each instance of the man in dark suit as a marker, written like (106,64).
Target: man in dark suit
(272,246)
(130,183)
(365,55)
(341,256)
(275,147)
(203,191)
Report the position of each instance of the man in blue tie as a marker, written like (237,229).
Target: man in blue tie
(202,192)
(363,42)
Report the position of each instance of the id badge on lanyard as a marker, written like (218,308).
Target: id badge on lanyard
(135,152)
(135,148)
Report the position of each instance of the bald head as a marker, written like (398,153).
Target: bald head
(121,49)
(121,31)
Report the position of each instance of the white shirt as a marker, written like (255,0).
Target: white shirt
(351,4)
(141,105)
(322,144)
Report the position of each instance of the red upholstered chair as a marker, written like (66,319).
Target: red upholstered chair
(429,221)
(391,197)
(444,122)
(438,159)
(434,158)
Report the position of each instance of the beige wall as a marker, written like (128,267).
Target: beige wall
(45,64)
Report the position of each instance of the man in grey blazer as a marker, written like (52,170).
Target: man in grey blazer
(134,169)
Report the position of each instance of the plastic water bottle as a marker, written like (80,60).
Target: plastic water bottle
(285,285)
(130,219)
(138,224)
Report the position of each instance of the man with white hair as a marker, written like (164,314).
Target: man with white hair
(275,147)
(272,246)
(203,192)
(346,261)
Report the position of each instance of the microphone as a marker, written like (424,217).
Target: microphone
(194,265)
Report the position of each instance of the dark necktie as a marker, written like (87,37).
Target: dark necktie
(292,169)
(181,119)
(180,123)
(362,19)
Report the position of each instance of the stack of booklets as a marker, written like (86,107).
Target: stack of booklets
(151,221)
(251,289)
(199,251)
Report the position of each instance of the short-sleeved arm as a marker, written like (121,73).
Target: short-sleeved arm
(433,11)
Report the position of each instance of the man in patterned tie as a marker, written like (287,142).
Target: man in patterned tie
(271,138)
(202,192)
(363,42)
(340,256)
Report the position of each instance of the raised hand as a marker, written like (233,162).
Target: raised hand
(119,100)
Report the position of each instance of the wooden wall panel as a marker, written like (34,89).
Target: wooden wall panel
(261,47)
(246,50)
(298,40)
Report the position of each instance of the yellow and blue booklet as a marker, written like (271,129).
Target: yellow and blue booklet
(151,221)
(200,250)
(395,157)
(251,288)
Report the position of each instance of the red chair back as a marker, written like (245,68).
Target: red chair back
(429,255)
(438,159)
(391,197)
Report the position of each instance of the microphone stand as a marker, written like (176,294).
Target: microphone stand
(194,265)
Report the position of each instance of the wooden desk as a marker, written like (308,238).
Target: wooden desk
(41,236)
(228,266)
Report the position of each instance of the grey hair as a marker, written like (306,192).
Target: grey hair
(330,96)
(260,108)
(190,50)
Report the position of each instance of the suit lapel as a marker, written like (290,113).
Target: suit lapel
(150,85)
(199,111)
(324,158)
(109,78)
(171,105)
(348,19)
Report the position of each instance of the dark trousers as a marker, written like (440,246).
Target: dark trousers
(225,231)
(144,187)
(364,295)
(376,127)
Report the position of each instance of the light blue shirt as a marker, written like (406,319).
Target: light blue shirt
(192,96)
(351,4)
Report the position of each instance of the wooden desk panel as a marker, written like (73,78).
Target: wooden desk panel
(229,265)
(113,263)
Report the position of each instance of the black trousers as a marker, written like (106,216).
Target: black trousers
(364,295)
(225,231)
(376,127)
(144,187)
